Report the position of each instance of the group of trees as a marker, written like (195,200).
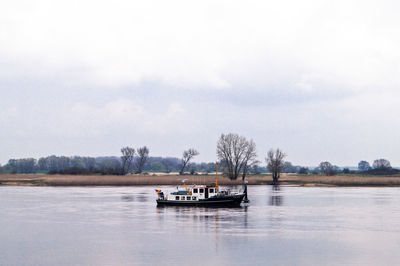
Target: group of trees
(137,159)
(26,165)
(237,157)
(328,169)
(377,164)
(101,165)
(129,161)
(379,167)
(57,164)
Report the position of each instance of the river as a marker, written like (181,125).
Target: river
(284,225)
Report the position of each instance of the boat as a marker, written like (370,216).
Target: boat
(202,195)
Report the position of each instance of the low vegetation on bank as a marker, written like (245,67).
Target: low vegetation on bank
(159,180)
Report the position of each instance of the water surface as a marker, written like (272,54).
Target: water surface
(123,226)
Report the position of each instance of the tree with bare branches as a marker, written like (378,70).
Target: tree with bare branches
(141,159)
(328,169)
(276,163)
(128,154)
(250,159)
(186,157)
(381,164)
(237,154)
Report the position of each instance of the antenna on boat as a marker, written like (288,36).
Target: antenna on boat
(216,174)
(187,189)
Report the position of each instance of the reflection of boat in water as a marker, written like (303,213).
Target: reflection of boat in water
(201,195)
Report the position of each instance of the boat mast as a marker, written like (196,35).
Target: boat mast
(187,189)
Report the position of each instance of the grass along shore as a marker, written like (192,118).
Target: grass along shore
(154,180)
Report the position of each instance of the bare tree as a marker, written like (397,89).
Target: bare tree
(141,159)
(126,158)
(237,154)
(276,163)
(186,157)
(381,164)
(327,168)
(250,159)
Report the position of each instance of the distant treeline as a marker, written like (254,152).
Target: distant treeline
(90,165)
(97,165)
(112,165)
(379,167)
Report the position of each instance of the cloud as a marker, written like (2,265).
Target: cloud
(178,73)
(85,120)
(211,44)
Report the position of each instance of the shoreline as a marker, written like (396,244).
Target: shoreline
(162,180)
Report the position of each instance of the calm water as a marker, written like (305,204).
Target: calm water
(123,226)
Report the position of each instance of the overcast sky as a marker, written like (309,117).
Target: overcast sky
(319,79)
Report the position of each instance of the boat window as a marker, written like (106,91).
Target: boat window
(194,198)
(177,197)
(188,198)
(201,190)
(183,197)
(211,190)
(195,190)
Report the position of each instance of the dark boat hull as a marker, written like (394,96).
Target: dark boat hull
(228,201)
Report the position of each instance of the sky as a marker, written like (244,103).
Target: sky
(317,79)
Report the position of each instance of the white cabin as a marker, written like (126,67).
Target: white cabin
(194,193)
